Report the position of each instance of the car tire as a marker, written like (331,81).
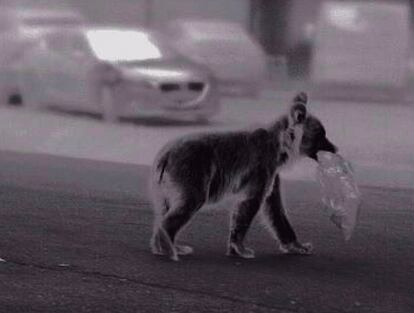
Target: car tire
(108,106)
(9,97)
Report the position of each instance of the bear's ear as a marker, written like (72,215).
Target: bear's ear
(301,98)
(298,110)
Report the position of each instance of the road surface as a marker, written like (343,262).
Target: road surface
(74,238)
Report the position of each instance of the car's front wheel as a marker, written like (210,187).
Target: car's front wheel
(108,106)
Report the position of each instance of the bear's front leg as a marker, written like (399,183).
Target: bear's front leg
(278,222)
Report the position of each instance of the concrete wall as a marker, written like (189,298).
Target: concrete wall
(124,12)
(155,12)
(303,13)
(277,24)
(234,10)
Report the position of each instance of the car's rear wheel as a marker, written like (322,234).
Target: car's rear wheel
(9,97)
(108,106)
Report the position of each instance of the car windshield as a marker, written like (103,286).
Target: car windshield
(124,45)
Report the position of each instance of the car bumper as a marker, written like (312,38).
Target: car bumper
(239,88)
(143,99)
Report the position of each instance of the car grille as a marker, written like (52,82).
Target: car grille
(196,86)
(167,87)
(192,86)
(183,93)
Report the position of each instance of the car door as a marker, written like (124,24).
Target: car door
(34,73)
(69,66)
(47,58)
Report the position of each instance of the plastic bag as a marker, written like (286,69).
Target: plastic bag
(340,193)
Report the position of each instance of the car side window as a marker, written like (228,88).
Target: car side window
(55,43)
(77,45)
(68,44)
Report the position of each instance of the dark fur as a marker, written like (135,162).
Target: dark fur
(203,168)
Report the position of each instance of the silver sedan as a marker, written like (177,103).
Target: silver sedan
(116,72)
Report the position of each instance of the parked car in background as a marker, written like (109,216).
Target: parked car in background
(22,22)
(116,72)
(238,62)
(10,49)
(361,50)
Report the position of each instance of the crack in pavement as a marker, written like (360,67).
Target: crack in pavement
(98,274)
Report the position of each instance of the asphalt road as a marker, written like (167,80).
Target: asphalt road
(74,236)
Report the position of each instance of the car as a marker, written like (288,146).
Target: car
(235,58)
(117,72)
(22,22)
(11,46)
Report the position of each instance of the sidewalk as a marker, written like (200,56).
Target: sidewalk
(376,137)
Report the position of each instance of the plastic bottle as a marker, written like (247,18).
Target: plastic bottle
(339,191)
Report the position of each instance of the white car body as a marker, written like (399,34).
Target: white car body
(117,72)
(235,58)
